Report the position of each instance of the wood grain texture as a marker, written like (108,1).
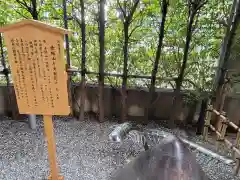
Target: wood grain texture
(36,58)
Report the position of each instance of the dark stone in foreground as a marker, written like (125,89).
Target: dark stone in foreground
(170,160)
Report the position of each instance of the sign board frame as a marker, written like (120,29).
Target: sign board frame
(38,67)
(36,58)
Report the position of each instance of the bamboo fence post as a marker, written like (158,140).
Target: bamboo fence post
(223,93)
(237,143)
(207,122)
(68,65)
(201,118)
(224,125)
(237,167)
(124,99)
(128,18)
(227,142)
(234,148)
(83,65)
(82,96)
(164,7)
(101,61)
(6,74)
(125,74)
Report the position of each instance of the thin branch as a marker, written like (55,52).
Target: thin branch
(222,22)
(139,14)
(24,5)
(129,17)
(196,21)
(132,40)
(165,69)
(78,21)
(201,4)
(20,13)
(124,13)
(137,26)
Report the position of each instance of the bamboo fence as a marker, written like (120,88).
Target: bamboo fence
(119,75)
(221,126)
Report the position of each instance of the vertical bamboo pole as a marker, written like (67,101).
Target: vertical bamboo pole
(216,105)
(207,122)
(228,41)
(65,19)
(237,167)
(83,65)
(125,73)
(221,126)
(6,72)
(101,60)
(224,125)
(220,110)
(237,143)
(164,7)
(127,20)
(223,93)
(82,95)
(49,134)
(201,118)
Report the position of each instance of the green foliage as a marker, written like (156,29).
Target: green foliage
(204,50)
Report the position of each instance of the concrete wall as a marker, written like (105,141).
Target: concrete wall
(136,102)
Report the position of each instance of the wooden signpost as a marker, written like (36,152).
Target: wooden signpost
(36,58)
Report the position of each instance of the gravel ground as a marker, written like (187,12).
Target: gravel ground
(83,151)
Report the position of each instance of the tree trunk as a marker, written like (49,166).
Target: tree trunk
(224,56)
(34,12)
(191,113)
(201,118)
(194,8)
(126,24)
(13,112)
(125,72)
(157,58)
(83,65)
(224,47)
(179,80)
(65,19)
(101,61)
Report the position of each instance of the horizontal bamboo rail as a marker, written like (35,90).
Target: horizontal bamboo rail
(221,135)
(120,75)
(227,142)
(208,152)
(225,120)
(231,146)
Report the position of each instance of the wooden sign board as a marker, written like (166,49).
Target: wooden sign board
(36,58)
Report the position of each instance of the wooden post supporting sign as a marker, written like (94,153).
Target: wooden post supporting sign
(36,58)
